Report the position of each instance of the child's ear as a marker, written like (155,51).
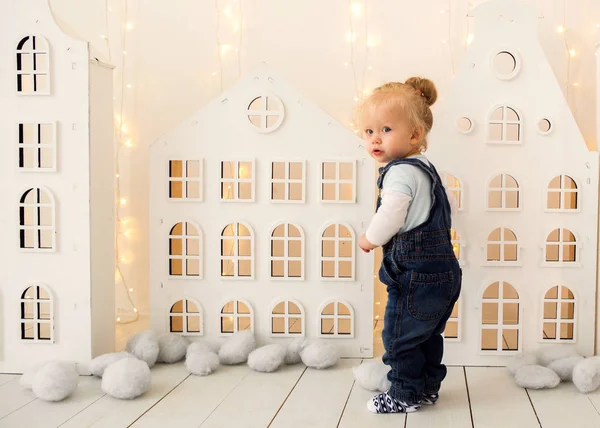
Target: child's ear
(417,135)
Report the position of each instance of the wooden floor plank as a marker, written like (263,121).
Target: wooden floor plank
(13,396)
(194,399)
(256,399)
(44,414)
(111,412)
(319,398)
(497,401)
(452,409)
(5,378)
(550,406)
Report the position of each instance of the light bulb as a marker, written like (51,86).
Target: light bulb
(370,68)
(560,28)
(356,9)
(117,175)
(128,143)
(377,317)
(129,86)
(469,39)
(572,52)
(225,48)
(131,290)
(102,36)
(129,26)
(123,201)
(444,41)
(134,309)
(118,319)
(124,52)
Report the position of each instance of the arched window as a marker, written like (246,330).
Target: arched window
(36,220)
(502,247)
(561,247)
(504,126)
(237,251)
(287,319)
(337,252)
(336,319)
(185,317)
(33,66)
(500,319)
(287,252)
(37,314)
(503,194)
(236,315)
(559,315)
(452,185)
(562,194)
(185,243)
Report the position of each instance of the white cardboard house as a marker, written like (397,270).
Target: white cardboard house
(56,184)
(256,205)
(526,230)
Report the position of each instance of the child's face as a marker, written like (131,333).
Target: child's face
(388,133)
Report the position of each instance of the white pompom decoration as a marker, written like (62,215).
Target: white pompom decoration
(320,355)
(372,376)
(536,377)
(144,346)
(586,374)
(201,362)
(172,348)
(126,379)
(267,359)
(55,381)
(237,348)
(101,362)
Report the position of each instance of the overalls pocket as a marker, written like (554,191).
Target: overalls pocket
(430,294)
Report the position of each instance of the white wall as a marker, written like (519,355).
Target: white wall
(172,55)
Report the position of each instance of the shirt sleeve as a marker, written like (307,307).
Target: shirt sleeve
(389,218)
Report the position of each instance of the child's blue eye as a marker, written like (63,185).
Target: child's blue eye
(387,129)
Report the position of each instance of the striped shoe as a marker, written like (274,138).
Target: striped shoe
(430,398)
(384,403)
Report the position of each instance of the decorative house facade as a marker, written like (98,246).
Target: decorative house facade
(256,205)
(526,231)
(56,182)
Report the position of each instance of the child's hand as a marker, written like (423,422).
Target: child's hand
(365,245)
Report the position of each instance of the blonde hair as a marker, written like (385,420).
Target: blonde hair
(415,96)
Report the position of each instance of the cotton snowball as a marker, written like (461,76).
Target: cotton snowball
(292,355)
(127,378)
(267,359)
(536,377)
(519,361)
(586,374)
(548,354)
(372,376)
(101,362)
(172,348)
(237,348)
(55,381)
(144,346)
(320,355)
(202,362)
(564,367)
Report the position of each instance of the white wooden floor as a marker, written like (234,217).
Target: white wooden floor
(295,396)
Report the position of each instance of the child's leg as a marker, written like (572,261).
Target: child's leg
(433,350)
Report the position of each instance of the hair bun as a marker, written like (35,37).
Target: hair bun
(425,86)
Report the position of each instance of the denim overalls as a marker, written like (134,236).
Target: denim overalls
(423,282)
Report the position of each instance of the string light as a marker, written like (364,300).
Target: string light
(121,129)
(223,48)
